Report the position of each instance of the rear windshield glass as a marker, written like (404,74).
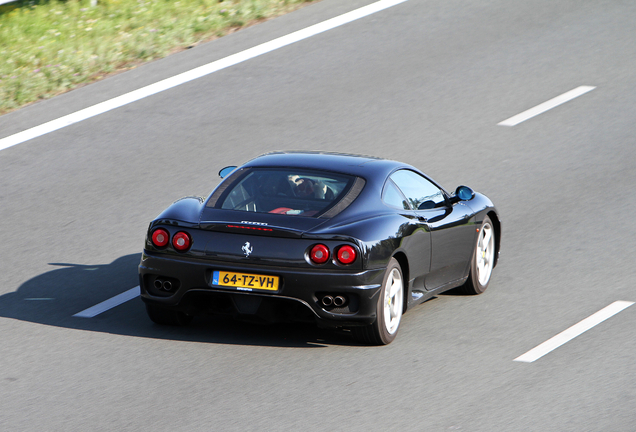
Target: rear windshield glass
(285,191)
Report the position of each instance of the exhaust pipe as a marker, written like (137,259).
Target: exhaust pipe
(339,301)
(167,285)
(158,283)
(327,300)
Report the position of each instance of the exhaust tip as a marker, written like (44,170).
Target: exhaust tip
(327,300)
(158,283)
(167,285)
(339,301)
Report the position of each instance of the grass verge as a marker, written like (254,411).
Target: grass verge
(49,47)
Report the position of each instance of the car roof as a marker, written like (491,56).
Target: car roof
(359,165)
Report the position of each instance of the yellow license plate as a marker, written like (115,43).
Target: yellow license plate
(245,281)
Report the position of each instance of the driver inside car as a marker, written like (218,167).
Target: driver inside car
(304,187)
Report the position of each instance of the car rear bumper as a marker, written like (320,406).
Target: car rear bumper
(299,296)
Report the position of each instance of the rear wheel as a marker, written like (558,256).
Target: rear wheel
(483,260)
(165,316)
(388,311)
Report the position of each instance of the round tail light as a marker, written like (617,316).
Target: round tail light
(319,254)
(181,241)
(346,254)
(160,237)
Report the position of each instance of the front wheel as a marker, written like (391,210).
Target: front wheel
(483,260)
(388,311)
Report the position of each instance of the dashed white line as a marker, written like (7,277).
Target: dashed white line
(199,72)
(109,304)
(574,331)
(545,106)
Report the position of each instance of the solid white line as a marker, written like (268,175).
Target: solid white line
(545,106)
(109,304)
(574,331)
(193,74)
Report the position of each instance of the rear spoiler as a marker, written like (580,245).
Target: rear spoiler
(251,229)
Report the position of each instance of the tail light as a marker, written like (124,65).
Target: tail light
(160,237)
(319,254)
(181,241)
(346,255)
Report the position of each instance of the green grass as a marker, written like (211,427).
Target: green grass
(49,47)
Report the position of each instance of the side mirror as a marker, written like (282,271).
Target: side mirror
(462,193)
(225,171)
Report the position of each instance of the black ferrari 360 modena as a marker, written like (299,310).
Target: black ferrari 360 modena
(346,241)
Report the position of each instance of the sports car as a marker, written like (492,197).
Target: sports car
(345,241)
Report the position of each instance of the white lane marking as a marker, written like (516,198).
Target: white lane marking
(193,74)
(545,106)
(109,304)
(574,331)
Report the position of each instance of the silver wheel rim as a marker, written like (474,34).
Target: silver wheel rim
(485,254)
(393,301)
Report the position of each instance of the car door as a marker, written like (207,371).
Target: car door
(416,238)
(451,231)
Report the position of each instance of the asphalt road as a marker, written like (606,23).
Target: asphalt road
(425,82)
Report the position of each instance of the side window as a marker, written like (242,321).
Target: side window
(421,193)
(393,197)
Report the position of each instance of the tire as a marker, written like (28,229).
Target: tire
(482,261)
(163,316)
(388,310)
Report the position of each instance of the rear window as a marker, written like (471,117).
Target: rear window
(285,191)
